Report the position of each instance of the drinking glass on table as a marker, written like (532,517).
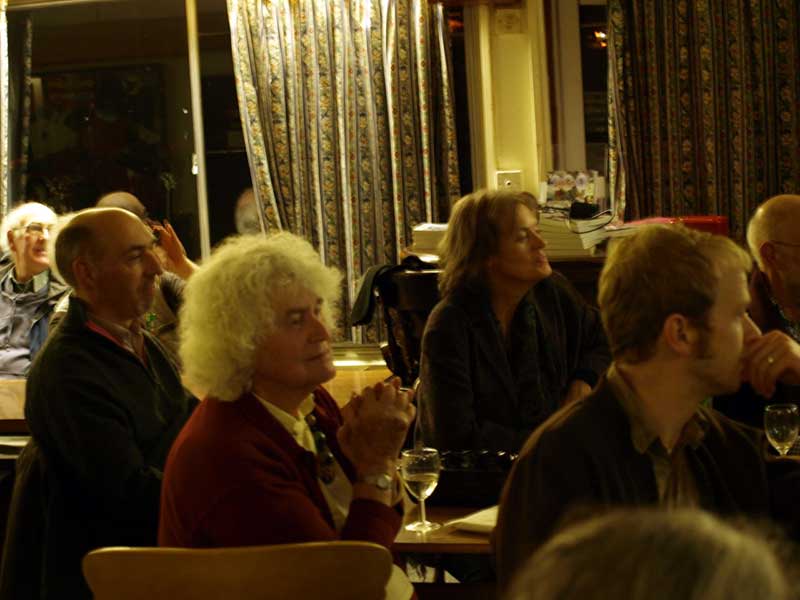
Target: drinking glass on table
(782,426)
(419,469)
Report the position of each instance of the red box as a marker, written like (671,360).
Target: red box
(709,223)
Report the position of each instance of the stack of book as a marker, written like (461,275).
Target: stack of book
(572,238)
(623,230)
(425,237)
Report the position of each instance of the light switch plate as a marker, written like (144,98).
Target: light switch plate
(510,181)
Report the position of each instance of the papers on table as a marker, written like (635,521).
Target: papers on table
(624,230)
(568,238)
(425,237)
(482,521)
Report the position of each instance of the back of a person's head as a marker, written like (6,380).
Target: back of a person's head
(125,201)
(658,271)
(775,220)
(654,555)
(246,213)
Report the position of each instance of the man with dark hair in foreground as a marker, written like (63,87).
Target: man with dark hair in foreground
(674,304)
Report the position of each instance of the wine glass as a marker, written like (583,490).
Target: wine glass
(782,425)
(419,468)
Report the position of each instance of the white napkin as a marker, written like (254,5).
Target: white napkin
(482,521)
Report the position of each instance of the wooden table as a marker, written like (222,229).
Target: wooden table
(443,541)
(447,539)
(12,405)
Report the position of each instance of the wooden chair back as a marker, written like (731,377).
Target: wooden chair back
(12,407)
(407,297)
(330,570)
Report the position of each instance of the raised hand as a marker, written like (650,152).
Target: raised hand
(177,261)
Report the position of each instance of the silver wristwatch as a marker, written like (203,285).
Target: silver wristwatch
(382,481)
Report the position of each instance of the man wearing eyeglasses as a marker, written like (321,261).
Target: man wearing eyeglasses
(773,237)
(28,292)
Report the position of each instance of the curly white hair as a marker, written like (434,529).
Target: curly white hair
(229,306)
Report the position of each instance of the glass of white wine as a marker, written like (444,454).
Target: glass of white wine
(419,468)
(782,426)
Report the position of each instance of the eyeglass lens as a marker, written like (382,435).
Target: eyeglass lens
(38,228)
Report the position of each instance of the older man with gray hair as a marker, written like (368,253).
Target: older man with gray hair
(773,237)
(28,292)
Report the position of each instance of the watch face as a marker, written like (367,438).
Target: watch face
(382,481)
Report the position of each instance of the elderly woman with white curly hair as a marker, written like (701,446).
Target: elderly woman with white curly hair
(268,457)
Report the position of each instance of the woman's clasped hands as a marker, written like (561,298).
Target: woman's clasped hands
(375,426)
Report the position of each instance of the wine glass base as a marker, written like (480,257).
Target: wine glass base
(423,526)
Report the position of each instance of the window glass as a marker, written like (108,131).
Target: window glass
(227,168)
(111,109)
(594,65)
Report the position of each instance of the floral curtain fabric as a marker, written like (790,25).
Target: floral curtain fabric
(16,36)
(347,110)
(20,54)
(704,105)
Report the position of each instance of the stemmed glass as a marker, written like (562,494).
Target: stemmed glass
(782,425)
(419,468)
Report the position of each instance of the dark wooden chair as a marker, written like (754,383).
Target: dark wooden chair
(407,297)
(21,571)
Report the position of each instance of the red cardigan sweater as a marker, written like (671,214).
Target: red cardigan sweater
(236,477)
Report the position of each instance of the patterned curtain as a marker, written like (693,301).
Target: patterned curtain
(16,36)
(348,116)
(704,106)
(20,45)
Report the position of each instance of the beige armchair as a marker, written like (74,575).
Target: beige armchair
(330,570)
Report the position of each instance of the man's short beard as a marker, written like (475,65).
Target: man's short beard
(702,351)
